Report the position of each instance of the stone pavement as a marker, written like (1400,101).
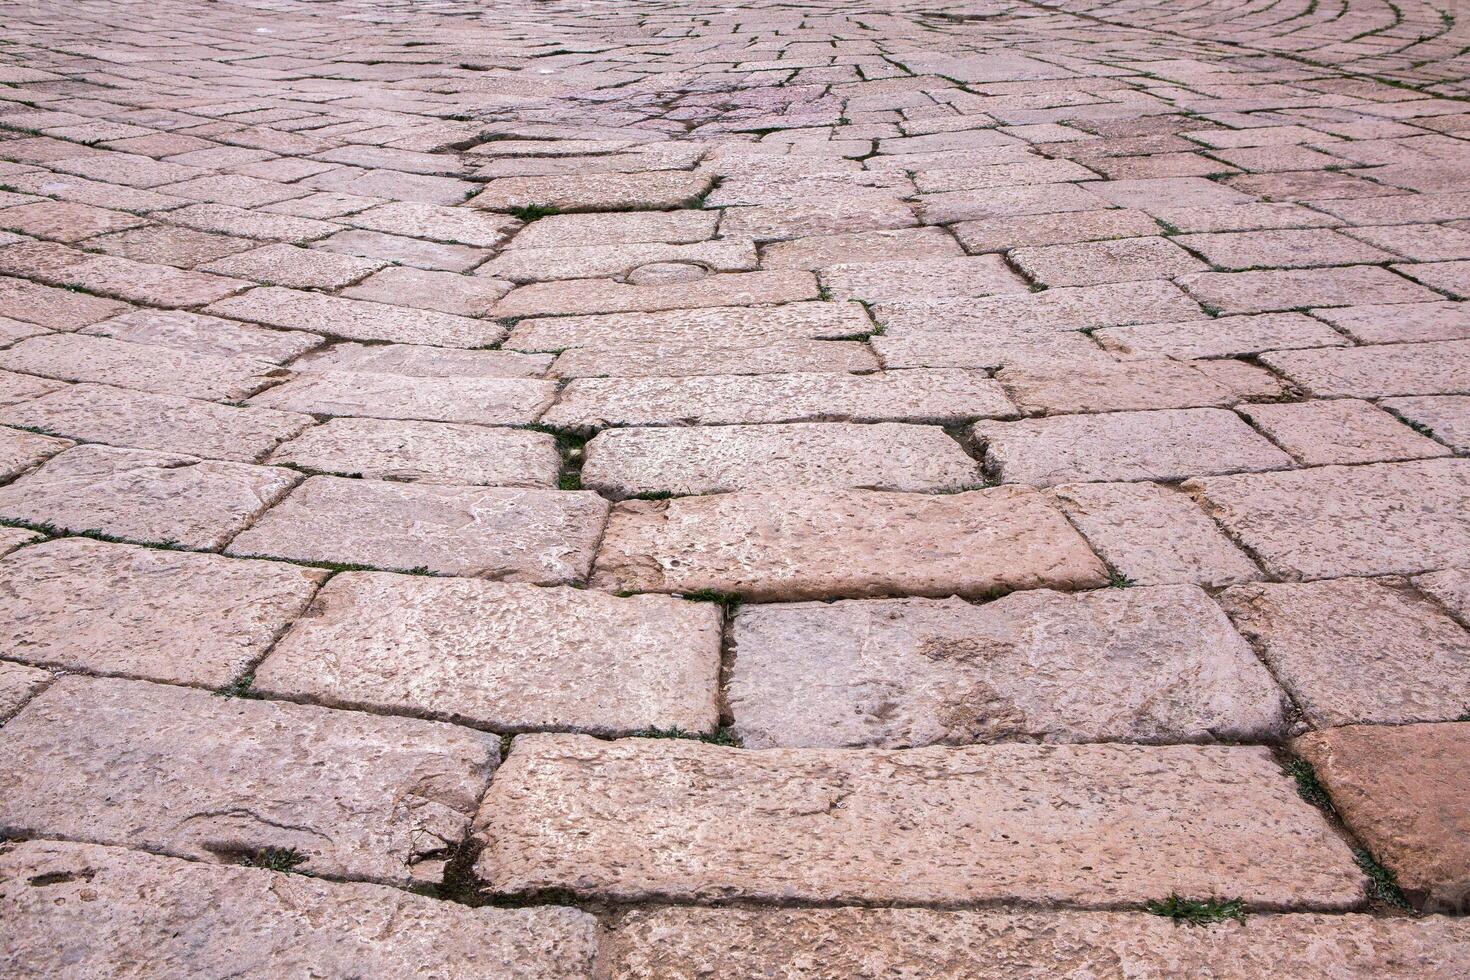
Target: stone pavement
(667,490)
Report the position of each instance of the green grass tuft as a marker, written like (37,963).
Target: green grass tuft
(1308,787)
(1197,911)
(1382,882)
(534,212)
(282,859)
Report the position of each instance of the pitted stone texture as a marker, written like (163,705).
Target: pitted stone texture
(1400,323)
(1094,263)
(1096,825)
(480,400)
(354,319)
(719,326)
(1000,234)
(12,538)
(617,228)
(425,452)
(1165,445)
(502,656)
(678,360)
(1291,289)
(445,224)
(22,451)
(84,910)
(417,361)
(596,261)
(891,282)
(940,396)
(1066,308)
(18,684)
(887,246)
(204,335)
(1402,792)
(1377,371)
(445,292)
(1139,665)
(1153,535)
(1446,416)
(1129,386)
(1340,430)
(1380,519)
(57,309)
(834,215)
(297,268)
(545,537)
(593,296)
(140,612)
(656,190)
(1356,650)
(716,459)
(145,496)
(142,367)
(877,944)
(188,773)
(1226,336)
(1451,587)
(167,423)
(809,544)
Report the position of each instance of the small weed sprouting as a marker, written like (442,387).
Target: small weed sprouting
(505,741)
(721,736)
(1420,428)
(534,212)
(728,600)
(1308,787)
(241,688)
(824,293)
(1197,911)
(1117,580)
(1382,882)
(282,859)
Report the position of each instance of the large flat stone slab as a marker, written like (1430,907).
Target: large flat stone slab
(485,401)
(502,656)
(716,459)
(1379,519)
(1402,791)
(1162,445)
(1379,370)
(143,367)
(681,360)
(142,612)
(715,326)
(355,319)
(18,684)
(75,910)
(875,944)
(544,537)
(188,773)
(21,451)
(1128,386)
(1093,825)
(1353,650)
(778,545)
(145,496)
(1141,665)
(939,396)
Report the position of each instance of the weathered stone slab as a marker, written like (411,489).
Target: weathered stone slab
(990,348)
(655,190)
(1094,263)
(502,656)
(891,282)
(720,326)
(1129,386)
(1095,825)
(1153,535)
(545,537)
(716,459)
(145,496)
(1323,432)
(188,773)
(1451,587)
(1226,336)
(21,451)
(679,360)
(595,261)
(1352,650)
(1402,791)
(421,289)
(418,361)
(873,944)
(1164,445)
(142,367)
(1291,289)
(617,228)
(140,612)
(444,224)
(78,910)
(487,401)
(1398,323)
(1065,308)
(167,423)
(18,684)
(942,396)
(56,309)
(885,246)
(1140,665)
(777,545)
(355,319)
(1380,519)
(204,335)
(593,296)
(426,452)
(1376,371)
(12,538)
(1446,416)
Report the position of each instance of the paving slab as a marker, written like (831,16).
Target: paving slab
(721,326)
(684,360)
(188,773)
(420,361)
(84,909)
(1095,825)
(1379,370)
(425,452)
(18,684)
(202,334)
(1446,417)
(1128,386)
(1340,430)
(502,656)
(373,394)
(355,319)
(142,367)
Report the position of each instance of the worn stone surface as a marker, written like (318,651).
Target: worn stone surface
(869,944)
(18,684)
(1447,417)
(776,545)
(1451,587)
(188,773)
(1128,386)
(1163,665)
(84,909)
(355,319)
(716,459)
(425,452)
(418,361)
(143,367)
(1098,825)
(719,326)
(1380,370)
(1402,791)
(682,361)
(204,334)
(1225,336)
(22,451)
(1340,430)
(371,394)
(145,496)
(503,656)
(545,537)
(1380,519)
(1353,650)
(141,612)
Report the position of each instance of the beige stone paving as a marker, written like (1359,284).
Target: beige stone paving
(924,454)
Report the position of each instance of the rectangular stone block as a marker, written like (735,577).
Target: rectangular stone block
(202,334)
(591,296)
(778,545)
(716,326)
(75,910)
(545,537)
(141,367)
(355,319)
(1094,825)
(1128,386)
(1378,371)
(682,361)
(479,400)
(502,656)
(188,773)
